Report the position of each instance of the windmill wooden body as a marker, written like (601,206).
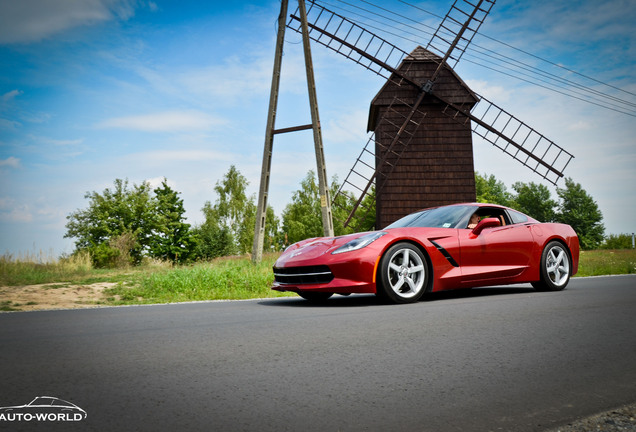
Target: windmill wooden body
(436,167)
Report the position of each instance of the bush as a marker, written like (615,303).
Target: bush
(104,256)
(620,241)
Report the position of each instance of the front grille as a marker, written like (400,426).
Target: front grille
(303,275)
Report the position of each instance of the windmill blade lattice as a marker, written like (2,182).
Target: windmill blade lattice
(350,40)
(452,37)
(514,137)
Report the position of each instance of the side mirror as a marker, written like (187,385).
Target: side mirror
(486,223)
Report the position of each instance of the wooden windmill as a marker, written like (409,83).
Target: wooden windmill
(420,153)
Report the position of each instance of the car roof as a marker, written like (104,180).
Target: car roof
(468,204)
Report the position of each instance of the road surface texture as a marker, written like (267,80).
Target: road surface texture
(487,359)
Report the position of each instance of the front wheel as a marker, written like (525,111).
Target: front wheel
(403,274)
(555,268)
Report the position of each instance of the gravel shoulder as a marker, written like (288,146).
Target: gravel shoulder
(617,420)
(53,296)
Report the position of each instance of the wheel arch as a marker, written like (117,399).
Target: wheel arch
(540,247)
(421,248)
(545,282)
(558,239)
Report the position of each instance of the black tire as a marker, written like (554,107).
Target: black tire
(403,274)
(315,297)
(556,268)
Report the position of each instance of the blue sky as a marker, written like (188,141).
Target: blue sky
(95,90)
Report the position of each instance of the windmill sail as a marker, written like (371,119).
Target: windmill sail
(350,40)
(514,137)
(453,35)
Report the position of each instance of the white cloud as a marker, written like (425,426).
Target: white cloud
(10,211)
(27,21)
(155,182)
(580,125)
(167,121)
(161,156)
(34,20)
(492,92)
(11,162)
(8,96)
(350,127)
(239,78)
(58,142)
(9,124)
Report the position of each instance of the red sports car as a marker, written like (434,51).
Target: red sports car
(436,249)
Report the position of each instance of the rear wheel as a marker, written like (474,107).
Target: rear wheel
(403,274)
(555,268)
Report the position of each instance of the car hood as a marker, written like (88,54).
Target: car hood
(315,247)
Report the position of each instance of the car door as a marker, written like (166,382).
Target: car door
(495,253)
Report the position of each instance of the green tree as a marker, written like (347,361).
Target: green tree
(229,223)
(213,239)
(302,217)
(490,190)
(235,210)
(579,210)
(273,240)
(171,237)
(364,217)
(115,219)
(535,201)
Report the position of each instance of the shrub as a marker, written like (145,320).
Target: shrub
(617,241)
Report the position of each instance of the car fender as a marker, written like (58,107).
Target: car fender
(436,245)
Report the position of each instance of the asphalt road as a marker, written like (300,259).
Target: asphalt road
(483,360)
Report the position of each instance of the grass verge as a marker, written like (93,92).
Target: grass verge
(607,262)
(221,279)
(31,269)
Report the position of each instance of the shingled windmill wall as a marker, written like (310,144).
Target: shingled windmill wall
(436,167)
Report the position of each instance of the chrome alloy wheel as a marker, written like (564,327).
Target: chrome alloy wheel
(557,265)
(406,273)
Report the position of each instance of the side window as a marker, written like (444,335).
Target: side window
(496,213)
(517,217)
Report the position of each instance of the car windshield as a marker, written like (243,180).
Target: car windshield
(440,217)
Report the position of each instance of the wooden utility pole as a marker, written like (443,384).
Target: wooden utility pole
(325,200)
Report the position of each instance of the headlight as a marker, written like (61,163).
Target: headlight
(359,242)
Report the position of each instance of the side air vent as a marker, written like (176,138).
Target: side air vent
(446,254)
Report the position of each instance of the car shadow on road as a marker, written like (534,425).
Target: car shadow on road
(477,292)
(367,300)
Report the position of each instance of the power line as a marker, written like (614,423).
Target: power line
(548,78)
(511,67)
(532,55)
(569,94)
